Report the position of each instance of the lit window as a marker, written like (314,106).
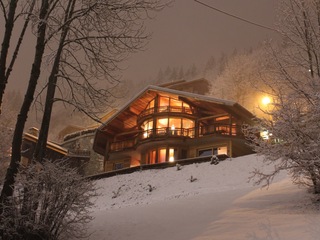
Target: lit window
(152,157)
(223,150)
(175,103)
(162,155)
(162,123)
(174,123)
(147,126)
(187,123)
(185,105)
(164,101)
(171,155)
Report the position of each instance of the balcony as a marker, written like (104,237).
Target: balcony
(149,134)
(165,109)
(221,129)
(217,129)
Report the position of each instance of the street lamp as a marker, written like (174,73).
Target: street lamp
(266,100)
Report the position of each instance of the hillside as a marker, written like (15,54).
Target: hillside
(219,204)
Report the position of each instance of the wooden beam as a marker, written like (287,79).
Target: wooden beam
(214,116)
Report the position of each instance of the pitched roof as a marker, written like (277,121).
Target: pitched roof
(207,103)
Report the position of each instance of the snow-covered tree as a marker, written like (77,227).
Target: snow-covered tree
(241,78)
(50,201)
(292,125)
(11,103)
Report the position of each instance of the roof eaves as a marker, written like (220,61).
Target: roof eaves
(172,91)
(193,95)
(123,108)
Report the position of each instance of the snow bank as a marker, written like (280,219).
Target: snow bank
(165,184)
(221,204)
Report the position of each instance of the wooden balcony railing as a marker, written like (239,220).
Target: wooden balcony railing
(122,145)
(223,129)
(163,109)
(217,129)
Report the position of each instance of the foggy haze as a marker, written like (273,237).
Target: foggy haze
(184,34)
(189,33)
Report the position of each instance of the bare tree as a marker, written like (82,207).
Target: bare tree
(10,17)
(84,41)
(12,170)
(92,38)
(293,130)
(52,208)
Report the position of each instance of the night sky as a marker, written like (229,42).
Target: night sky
(189,32)
(184,34)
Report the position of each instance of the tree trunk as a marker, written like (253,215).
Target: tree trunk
(40,149)
(5,46)
(12,170)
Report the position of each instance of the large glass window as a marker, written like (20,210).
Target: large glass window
(213,151)
(167,104)
(175,126)
(161,155)
(168,125)
(164,103)
(149,109)
(174,123)
(171,155)
(173,105)
(175,102)
(187,123)
(147,126)
(152,157)
(162,123)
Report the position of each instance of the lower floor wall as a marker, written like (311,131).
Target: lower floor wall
(117,164)
(169,151)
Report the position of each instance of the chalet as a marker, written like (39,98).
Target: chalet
(162,124)
(53,152)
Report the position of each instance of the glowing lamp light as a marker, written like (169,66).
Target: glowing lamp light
(145,134)
(266,100)
(171,159)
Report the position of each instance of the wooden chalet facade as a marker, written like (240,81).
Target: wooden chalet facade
(162,124)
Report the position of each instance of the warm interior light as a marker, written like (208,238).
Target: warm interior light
(163,122)
(171,155)
(266,100)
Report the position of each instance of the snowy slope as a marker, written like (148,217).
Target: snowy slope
(219,204)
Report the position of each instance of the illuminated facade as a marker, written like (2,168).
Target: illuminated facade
(161,125)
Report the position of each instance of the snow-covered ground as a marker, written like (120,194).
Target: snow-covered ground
(219,204)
